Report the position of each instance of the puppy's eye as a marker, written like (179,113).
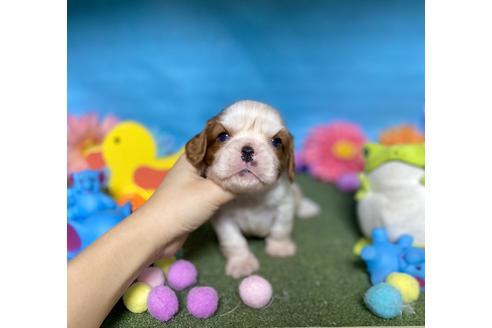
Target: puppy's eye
(224,136)
(276,142)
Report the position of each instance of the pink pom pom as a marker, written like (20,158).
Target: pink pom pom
(202,302)
(152,276)
(162,303)
(255,291)
(182,274)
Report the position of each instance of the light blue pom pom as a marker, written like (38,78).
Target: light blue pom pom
(384,301)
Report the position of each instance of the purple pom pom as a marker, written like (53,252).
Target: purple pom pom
(162,303)
(182,274)
(202,302)
(348,182)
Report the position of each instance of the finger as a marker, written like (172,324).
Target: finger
(174,246)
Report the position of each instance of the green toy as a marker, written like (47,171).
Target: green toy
(376,155)
(392,191)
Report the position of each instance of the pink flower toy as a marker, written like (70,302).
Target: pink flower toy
(85,132)
(332,153)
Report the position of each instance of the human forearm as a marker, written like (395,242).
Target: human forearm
(101,273)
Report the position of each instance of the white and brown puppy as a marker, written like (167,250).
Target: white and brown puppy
(248,150)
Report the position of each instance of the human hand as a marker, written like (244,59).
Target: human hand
(184,200)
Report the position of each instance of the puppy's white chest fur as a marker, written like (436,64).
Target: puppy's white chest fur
(255,214)
(254,219)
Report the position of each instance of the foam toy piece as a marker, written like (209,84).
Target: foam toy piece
(90,212)
(413,263)
(136,296)
(73,239)
(407,285)
(85,196)
(130,153)
(202,302)
(255,291)
(391,192)
(162,303)
(383,257)
(384,301)
(97,224)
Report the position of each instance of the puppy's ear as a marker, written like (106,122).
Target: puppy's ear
(197,147)
(286,153)
(291,163)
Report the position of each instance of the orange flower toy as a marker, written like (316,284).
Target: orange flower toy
(332,153)
(401,135)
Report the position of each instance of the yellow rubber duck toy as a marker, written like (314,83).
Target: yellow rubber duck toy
(130,153)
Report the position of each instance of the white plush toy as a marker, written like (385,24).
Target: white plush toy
(391,192)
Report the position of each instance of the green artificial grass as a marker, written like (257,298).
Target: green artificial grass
(322,285)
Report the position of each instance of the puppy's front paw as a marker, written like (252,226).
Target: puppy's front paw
(241,265)
(280,248)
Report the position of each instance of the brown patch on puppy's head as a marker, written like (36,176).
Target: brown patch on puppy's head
(285,153)
(201,149)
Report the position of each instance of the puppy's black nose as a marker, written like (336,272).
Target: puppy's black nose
(247,154)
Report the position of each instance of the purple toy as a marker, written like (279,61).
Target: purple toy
(348,182)
(182,274)
(162,303)
(202,302)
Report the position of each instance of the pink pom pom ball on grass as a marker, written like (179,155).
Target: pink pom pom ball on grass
(202,302)
(182,274)
(163,303)
(152,276)
(255,291)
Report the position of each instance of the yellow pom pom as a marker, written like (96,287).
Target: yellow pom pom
(363,242)
(165,263)
(406,284)
(135,297)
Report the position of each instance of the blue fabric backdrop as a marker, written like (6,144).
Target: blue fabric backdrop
(173,64)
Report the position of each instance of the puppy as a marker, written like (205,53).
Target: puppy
(247,150)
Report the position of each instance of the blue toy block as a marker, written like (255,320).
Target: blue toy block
(90,211)
(383,257)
